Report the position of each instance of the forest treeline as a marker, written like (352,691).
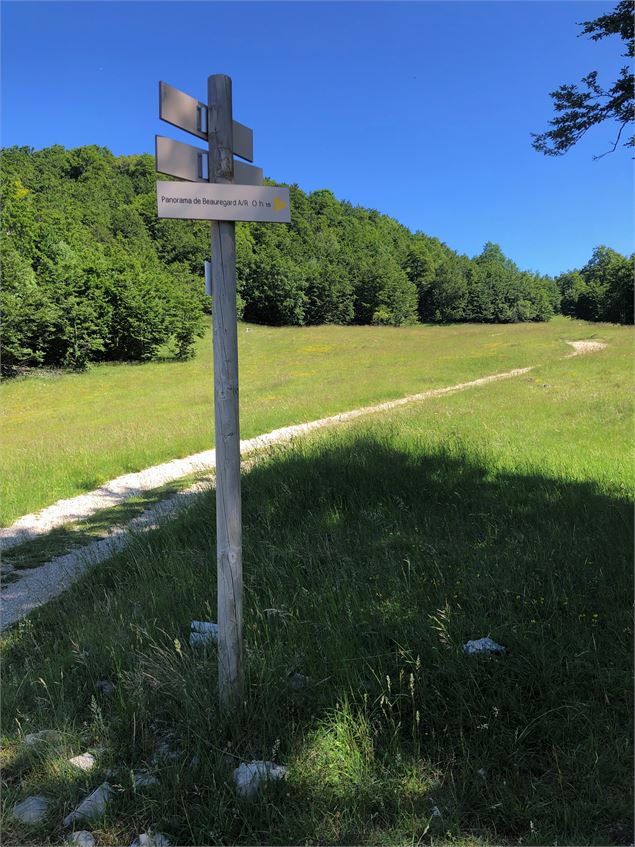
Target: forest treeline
(91,274)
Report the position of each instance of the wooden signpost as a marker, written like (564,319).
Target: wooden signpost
(223,191)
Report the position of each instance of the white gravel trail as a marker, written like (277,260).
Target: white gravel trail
(36,586)
(580,347)
(132,485)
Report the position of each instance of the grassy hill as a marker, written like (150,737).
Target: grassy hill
(67,433)
(372,553)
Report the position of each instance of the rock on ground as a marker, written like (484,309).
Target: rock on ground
(484,645)
(85,761)
(143,779)
(203,633)
(586,347)
(249,776)
(92,806)
(32,810)
(151,839)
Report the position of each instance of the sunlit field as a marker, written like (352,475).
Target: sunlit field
(372,553)
(64,434)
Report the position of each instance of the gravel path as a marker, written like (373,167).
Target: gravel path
(580,347)
(36,586)
(131,485)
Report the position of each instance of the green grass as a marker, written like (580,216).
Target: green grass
(65,434)
(372,552)
(74,536)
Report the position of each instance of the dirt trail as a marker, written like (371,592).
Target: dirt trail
(36,586)
(131,485)
(580,347)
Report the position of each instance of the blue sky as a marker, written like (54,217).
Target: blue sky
(422,110)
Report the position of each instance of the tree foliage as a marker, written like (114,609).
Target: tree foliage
(602,290)
(91,274)
(579,109)
(86,275)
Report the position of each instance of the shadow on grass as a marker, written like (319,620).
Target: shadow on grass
(368,564)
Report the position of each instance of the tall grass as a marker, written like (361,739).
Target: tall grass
(372,553)
(64,434)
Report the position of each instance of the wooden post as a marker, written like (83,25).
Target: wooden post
(225,332)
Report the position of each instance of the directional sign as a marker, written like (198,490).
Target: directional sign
(179,109)
(243,141)
(237,196)
(187,162)
(245,174)
(180,160)
(216,202)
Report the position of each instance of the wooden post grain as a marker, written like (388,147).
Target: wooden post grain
(227,429)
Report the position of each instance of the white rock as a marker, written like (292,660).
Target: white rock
(203,633)
(85,761)
(483,645)
(151,839)
(31,810)
(249,776)
(143,779)
(83,838)
(203,626)
(92,806)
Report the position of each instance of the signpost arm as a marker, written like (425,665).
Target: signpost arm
(225,334)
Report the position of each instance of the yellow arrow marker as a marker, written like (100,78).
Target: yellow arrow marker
(278,204)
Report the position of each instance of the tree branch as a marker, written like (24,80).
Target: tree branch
(614,148)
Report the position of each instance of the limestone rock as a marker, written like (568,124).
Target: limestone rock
(151,839)
(143,779)
(93,806)
(249,776)
(85,761)
(484,645)
(32,810)
(203,633)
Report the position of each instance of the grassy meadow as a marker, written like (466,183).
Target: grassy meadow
(66,433)
(372,552)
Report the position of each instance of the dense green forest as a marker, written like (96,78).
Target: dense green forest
(91,274)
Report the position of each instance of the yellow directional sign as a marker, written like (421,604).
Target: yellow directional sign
(222,202)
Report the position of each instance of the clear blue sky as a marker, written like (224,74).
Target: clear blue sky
(420,110)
